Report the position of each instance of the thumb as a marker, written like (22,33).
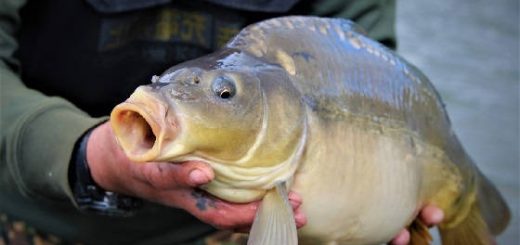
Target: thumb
(192,173)
(165,175)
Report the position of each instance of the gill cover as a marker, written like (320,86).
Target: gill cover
(279,140)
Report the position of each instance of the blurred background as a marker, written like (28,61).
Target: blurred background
(470,52)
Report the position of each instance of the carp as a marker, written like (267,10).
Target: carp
(312,105)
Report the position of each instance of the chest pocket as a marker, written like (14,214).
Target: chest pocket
(157,23)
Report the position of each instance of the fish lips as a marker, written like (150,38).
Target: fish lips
(143,125)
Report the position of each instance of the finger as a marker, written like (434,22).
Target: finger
(198,174)
(165,175)
(221,214)
(402,238)
(300,218)
(431,215)
(295,200)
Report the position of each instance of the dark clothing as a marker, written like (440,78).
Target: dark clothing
(78,59)
(118,48)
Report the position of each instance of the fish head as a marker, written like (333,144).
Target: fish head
(239,114)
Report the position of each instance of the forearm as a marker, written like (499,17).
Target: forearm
(37,132)
(38,136)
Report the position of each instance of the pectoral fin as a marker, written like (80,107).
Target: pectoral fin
(274,221)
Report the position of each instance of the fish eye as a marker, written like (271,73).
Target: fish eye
(223,87)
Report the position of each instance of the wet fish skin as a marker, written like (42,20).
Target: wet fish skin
(360,133)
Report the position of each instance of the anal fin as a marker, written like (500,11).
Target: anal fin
(419,234)
(274,222)
(472,230)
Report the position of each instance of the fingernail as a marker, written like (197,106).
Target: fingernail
(197,177)
(299,216)
(300,219)
(437,217)
(402,238)
(295,203)
(294,196)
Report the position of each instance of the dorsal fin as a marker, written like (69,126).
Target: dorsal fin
(258,38)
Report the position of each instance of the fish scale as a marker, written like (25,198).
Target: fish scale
(332,52)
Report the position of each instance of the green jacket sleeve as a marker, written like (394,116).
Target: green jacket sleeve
(38,132)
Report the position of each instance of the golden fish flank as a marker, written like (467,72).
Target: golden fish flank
(353,128)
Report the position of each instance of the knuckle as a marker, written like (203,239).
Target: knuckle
(157,177)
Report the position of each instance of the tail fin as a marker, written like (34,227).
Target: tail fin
(488,216)
(494,209)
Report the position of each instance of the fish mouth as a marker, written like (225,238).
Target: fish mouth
(143,126)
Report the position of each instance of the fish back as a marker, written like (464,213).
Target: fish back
(342,73)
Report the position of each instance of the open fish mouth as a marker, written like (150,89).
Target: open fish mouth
(143,126)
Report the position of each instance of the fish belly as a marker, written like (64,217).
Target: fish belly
(360,184)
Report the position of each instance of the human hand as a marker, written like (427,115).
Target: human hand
(169,184)
(430,215)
